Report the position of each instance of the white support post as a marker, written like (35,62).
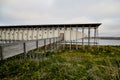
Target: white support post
(89,37)
(42,32)
(76,37)
(95,36)
(64,39)
(45,42)
(32,33)
(17,34)
(22,33)
(27,33)
(53,37)
(10,36)
(14,34)
(5,35)
(47,32)
(50,39)
(47,39)
(37,34)
(0,35)
(83,37)
(97,39)
(55,43)
(70,38)
(58,37)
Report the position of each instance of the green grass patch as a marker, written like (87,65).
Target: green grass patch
(93,64)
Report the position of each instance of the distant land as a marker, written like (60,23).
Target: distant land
(113,38)
(110,38)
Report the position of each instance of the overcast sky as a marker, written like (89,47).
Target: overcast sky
(106,12)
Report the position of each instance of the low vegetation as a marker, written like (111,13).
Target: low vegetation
(101,63)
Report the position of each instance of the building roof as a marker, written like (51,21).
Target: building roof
(52,25)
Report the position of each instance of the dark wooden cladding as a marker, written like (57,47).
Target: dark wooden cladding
(52,25)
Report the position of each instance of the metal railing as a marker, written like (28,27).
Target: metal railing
(17,47)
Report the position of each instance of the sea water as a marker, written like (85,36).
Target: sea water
(103,42)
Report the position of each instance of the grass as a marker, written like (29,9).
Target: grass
(93,64)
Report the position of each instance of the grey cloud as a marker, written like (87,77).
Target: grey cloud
(62,11)
(99,9)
